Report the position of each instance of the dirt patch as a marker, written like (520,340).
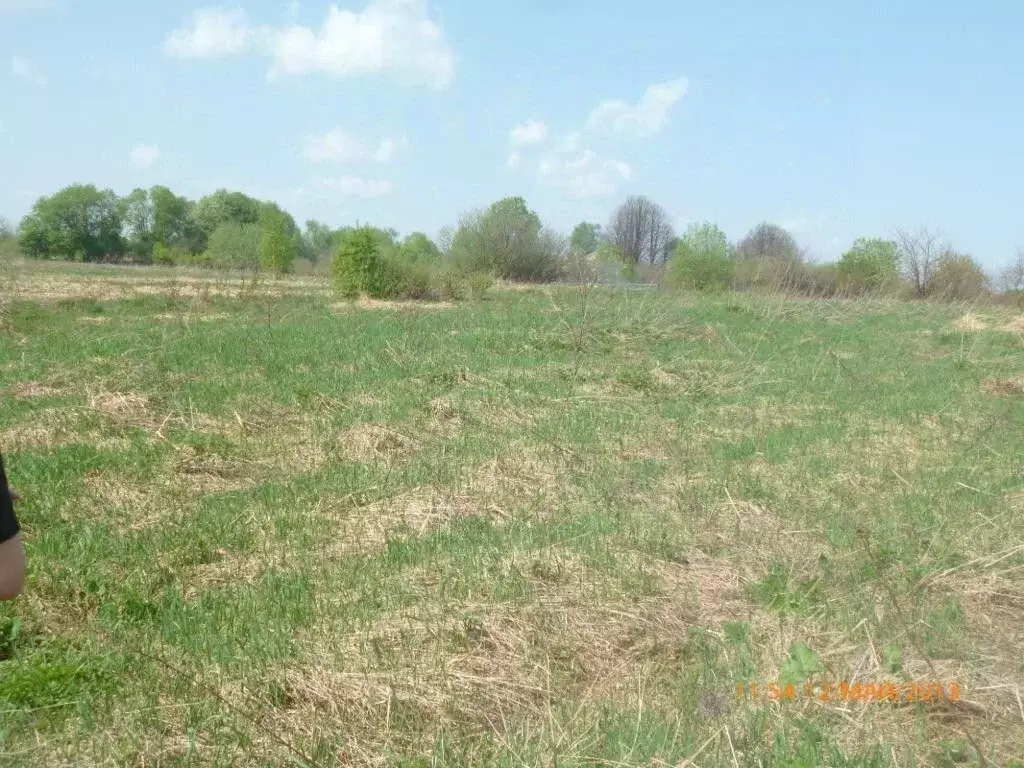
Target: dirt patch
(1004,386)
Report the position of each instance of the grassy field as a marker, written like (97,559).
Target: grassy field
(555,527)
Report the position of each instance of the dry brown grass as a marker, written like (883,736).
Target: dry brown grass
(1004,386)
(374,443)
(386,305)
(1014,326)
(42,286)
(970,323)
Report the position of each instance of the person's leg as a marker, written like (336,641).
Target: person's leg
(12,554)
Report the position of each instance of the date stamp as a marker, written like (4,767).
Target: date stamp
(844,691)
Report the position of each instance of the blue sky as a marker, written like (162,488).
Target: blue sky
(835,120)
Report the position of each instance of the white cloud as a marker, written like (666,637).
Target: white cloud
(341,147)
(214,33)
(514,160)
(388,35)
(645,118)
(584,174)
(145,156)
(529,134)
(395,36)
(356,186)
(27,70)
(14,6)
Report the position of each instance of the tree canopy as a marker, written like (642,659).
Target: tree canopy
(80,222)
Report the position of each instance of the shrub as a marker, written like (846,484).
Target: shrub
(774,275)
(417,248)
(279,241)
(368,262)
(957,277)
(817,280)
(872,264)
(508,240)
(702,260)
(356,262)
(234,246)
(170,255)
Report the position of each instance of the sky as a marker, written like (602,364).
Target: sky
(833,119)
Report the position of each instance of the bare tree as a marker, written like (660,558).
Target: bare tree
(640,228)
(920,254)
(769,242)
(1012,278)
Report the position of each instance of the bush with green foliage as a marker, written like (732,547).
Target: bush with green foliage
(356,262)
(702,260)
(233,246)
(957,277)
(871,265)
(171,255)
(280,240)
(508,241)
(417,248)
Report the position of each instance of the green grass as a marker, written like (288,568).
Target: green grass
(553,527)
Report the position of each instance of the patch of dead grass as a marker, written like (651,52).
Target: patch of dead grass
(360,530)
(201,472)
(33,389)
(970,323)
(1013,386)
(1014,326)
(371,443)
(384,305)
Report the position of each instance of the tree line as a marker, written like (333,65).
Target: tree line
(231,230)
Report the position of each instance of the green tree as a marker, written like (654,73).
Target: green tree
(417,248)
(80,222)
(507,240)
(702,259)
(279,240)
(223,207)
(235,246)
(318,240)
(137,223)
(174,225)
(585,237)
(870,265)
(357,263)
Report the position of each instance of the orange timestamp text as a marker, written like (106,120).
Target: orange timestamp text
(844,691)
